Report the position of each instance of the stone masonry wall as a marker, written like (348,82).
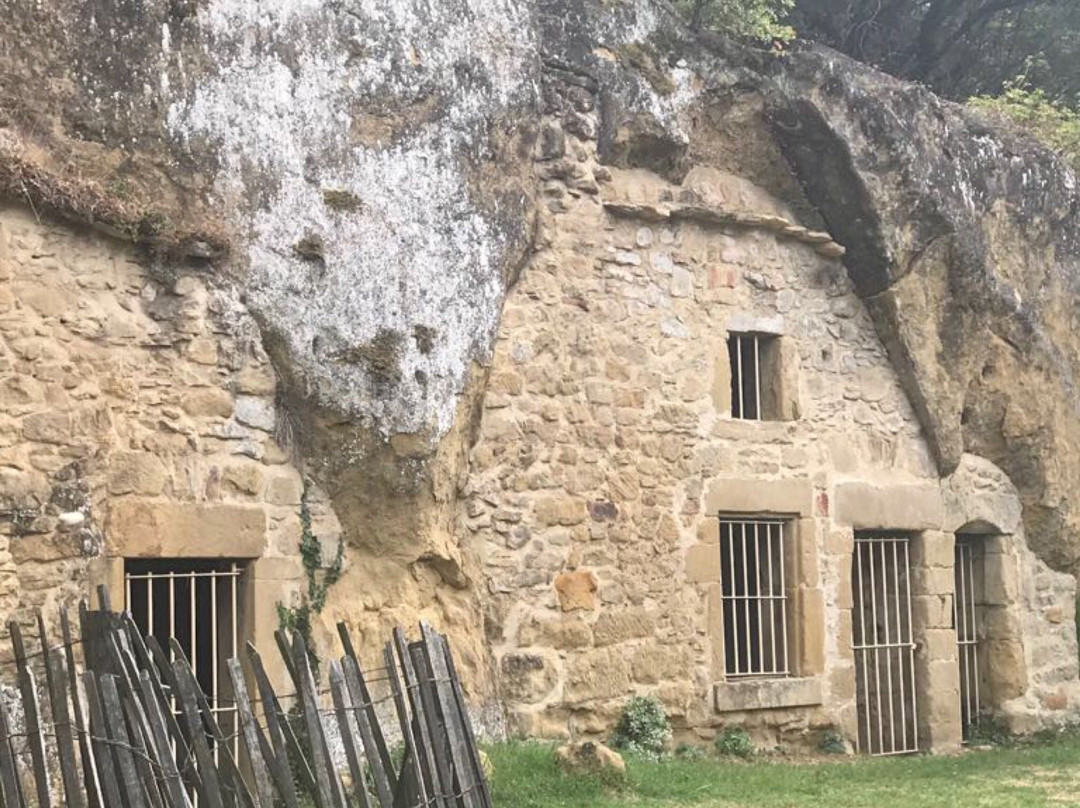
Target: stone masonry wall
(136,419)
(607,450)
(607,436)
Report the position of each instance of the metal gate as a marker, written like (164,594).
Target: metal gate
(882,641)
(195,602)
(965,598)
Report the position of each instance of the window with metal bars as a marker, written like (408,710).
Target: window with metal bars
(967,615)
(754,384)
(754,599)
(195,602)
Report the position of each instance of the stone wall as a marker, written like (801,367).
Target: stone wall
(137,419)
(607,450)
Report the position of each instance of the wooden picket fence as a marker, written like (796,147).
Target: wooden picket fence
(135,730)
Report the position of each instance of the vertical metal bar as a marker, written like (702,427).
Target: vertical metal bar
(150,603)
(772,601)
(783,605)
(234,631)
(194,634)
(901,638)
(877,654)
(757,379)
(746,603)
(860,651)
(888,643)
(739,374)
(758,597)
(974,636)
(911,650)
(731,597)
(216,701)
(127,591)
(966,673)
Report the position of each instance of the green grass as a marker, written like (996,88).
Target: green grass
(1028,776)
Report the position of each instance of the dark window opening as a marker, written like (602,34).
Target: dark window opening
(755,376)
(754,597)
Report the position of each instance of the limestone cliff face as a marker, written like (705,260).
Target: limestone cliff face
(361,175)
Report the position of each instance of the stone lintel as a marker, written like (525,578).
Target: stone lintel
(767,694)
(891,507)
(145,528)
(783,497)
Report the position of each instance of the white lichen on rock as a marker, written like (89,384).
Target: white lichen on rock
(358,124)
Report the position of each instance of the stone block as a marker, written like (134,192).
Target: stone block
(600,674)
(50,426)
(256,412)
(141,528)
(206,402)
(560,510)
(767,694)
(576,590)
(933,549)
(284,489)
(810,630)
(528,677)
(806,572)
(703,563)
(794,496)
(613,627)
(136,473)
(559,633)
(897,507)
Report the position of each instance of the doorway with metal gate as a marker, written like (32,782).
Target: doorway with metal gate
(968,600)
(882,640)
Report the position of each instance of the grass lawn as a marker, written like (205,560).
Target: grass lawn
(1030,776)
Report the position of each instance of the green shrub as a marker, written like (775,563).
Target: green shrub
(643,726)
(689,751)
(1052,122)
(832,742)
(747,19)
(735,742)
(990,730)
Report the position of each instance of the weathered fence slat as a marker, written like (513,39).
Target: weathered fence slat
(110,787)
(158,741)
(369,707)
(281,733)
(86,752)
(421,701)
(329,785)
(117,733)
(136,730)
(381,774)
(343,709)
(466,723)
(253,742)
(415,759)
(459,754)
(233,786)
(189,713)
(65,741)
(9,771)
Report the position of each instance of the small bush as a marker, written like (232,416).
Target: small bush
(832,742)
(735,742)
(1052,122)
(689,751)
(989,730)
(643,726)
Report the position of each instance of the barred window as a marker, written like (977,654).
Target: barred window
(753,596)
(754,376)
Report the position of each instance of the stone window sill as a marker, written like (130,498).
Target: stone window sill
(767,694)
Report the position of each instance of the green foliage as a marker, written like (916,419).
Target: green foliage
(735,742)
(760,20)
(832,742)
(299,618)
(989,730)
(643,727)
(1052,122)
(689,751)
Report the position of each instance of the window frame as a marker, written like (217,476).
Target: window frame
(781,617)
